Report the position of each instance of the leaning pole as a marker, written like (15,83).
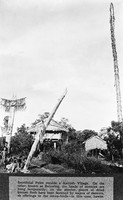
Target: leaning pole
(41,132)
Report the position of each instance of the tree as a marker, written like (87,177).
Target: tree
(72,135)
(71,132)
(22,141)
(22,130)
(117,127)
(115,139)
(65,123)
(42,118)
(85,134)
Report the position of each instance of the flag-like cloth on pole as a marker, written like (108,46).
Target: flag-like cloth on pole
(18,104)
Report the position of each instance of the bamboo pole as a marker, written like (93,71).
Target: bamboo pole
(41,132)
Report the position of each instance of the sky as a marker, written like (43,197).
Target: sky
(47,46)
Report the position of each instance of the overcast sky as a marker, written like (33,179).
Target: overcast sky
(46,46)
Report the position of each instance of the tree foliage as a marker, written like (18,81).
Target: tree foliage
(71,132)
(41,118)
(85,134)
(22,141)
(114,140)
(117,127)
(65,123)
(73,156)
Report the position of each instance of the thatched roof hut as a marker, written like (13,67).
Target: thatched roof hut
(95,142)
(55,131)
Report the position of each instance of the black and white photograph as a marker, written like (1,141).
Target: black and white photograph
(61,97)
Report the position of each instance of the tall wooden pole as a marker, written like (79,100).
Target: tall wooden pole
(10,126)
(41,132)
(116,68)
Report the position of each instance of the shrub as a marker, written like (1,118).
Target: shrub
(74,158)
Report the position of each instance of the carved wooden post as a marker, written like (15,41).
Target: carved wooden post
(12,106)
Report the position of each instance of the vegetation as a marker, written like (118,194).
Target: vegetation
(69,157)
(72,157)
(114,141)
(41,118)
(21,142)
